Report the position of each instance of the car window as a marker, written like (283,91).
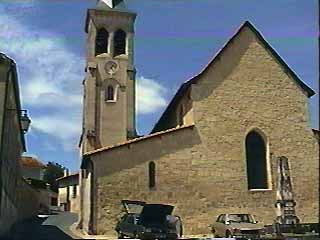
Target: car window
(240,218)
(223,218)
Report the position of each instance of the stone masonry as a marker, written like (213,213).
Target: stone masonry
(201,164)
(18,200)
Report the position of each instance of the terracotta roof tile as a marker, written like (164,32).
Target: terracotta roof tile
(31,162)
(137,139)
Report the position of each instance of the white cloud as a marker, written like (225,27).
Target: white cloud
(150,96)
(48,70)
(57,126)
(62,127)
(51,75)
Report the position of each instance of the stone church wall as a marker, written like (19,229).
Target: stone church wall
(125,176)
(202,169)
(252,91)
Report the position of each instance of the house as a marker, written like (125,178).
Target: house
(32,168)
(48,199)
(69,192)
(18,200)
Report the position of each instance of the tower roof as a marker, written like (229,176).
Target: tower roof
(116,6)
(111,4)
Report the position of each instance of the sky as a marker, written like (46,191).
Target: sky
(174,40)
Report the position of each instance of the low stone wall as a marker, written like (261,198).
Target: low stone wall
(8,214)
(28,201)
(24,206)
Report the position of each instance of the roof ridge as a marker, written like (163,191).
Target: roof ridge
(70,175)
(138,139)
(264,42)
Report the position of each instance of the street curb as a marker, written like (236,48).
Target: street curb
(82,235)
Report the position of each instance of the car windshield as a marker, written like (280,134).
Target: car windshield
(134,208)
(241,218)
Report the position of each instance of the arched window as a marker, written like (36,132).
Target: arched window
(119,42)
(102,41)
(152,175)
(256,155)
(110,96)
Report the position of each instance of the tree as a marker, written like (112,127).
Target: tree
(52,172)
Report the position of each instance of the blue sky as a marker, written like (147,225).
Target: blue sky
(174,40)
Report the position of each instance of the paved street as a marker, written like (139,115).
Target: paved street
(54,227)
(58,227)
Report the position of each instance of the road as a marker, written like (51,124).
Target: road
(51,228)
(57,227)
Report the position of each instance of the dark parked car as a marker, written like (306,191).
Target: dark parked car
(148,221)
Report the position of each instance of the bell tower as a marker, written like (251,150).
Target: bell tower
(109,85)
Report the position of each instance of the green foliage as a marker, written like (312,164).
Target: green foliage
(37,183)
(52,172)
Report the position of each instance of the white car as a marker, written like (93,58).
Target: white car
(237,225)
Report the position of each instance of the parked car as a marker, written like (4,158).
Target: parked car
(148,221)
(237,225)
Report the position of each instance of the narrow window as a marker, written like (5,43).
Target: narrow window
(110,93)
(256,161)
(102,41)
(152,175)
(119,43)
(74,191)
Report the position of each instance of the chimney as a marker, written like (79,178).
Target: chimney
(65,172)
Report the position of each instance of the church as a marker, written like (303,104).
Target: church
(214,150)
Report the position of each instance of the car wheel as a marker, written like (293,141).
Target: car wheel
(228,234)
(120,235)
(136,236)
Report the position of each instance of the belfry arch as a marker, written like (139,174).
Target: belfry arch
(102,39)
(120,42)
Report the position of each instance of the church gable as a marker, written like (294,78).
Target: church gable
(226,61)
(247,81)
(230,54)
